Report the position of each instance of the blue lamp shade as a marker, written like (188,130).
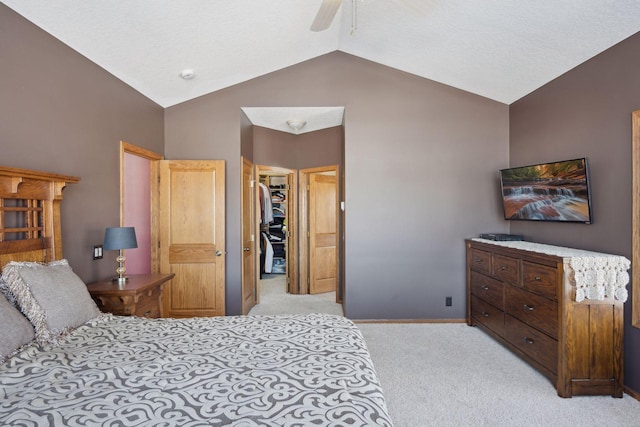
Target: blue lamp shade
(116,238)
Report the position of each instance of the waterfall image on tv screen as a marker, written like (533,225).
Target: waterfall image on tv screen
(557,191)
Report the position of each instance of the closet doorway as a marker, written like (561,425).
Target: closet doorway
(300,229)
(276,219)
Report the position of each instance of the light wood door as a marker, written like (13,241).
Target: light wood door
(292,236)
(248,237)
(323,233)
(192,237)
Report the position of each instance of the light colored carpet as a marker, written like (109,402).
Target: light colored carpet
(439,374)
(455,375)
(275,300)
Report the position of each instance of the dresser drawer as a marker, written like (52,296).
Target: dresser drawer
(480,261)
(506,269)
(487,315)
(488,289)
(532,309)
(541,279)
(533,343)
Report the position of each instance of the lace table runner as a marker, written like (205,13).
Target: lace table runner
(595,275)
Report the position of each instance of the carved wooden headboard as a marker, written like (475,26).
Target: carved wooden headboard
(30,215)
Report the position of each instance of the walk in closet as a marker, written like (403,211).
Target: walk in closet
(274,197)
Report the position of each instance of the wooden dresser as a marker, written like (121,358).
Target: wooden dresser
(140,296)
(526,301)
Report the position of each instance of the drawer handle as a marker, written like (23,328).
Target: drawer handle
(528,340)
(503,267)
(477,260)
(485,314)
(528,308)
(537,278)
(485,288)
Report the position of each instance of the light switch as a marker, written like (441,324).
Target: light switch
(97,252)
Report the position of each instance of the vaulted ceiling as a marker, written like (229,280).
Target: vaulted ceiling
(499,49)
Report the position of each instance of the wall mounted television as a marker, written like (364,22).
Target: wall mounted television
(557,191)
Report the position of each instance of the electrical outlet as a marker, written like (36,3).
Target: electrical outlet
(447,301)
(97,252)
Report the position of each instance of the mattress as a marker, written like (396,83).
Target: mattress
(239,371)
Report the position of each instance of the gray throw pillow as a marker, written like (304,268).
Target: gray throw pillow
(4,290)
(16,331)
(52,297)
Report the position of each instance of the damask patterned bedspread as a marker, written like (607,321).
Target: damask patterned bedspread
(242,371)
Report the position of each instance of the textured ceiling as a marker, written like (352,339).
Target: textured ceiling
(499,49)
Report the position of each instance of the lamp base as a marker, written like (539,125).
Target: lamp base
(121,270)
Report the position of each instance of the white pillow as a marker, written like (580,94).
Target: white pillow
(52,297)
(16,331)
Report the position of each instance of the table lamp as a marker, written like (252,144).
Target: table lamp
(119,238)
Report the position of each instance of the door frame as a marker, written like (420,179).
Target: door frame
(303,178)
(154,173)
(253,232)
(635,219)
(293,275)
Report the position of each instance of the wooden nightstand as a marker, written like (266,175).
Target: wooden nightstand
(140,296)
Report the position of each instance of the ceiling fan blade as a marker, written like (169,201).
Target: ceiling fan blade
(327,12)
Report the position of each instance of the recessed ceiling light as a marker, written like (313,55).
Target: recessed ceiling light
(187,74)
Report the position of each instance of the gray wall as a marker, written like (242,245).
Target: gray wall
(420,165)
(587,112)
(246,137)
(275,148)
(61,113)
(323,147)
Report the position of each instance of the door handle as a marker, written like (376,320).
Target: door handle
(246,249)
(219,253)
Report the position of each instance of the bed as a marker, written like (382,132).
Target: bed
(62,362)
